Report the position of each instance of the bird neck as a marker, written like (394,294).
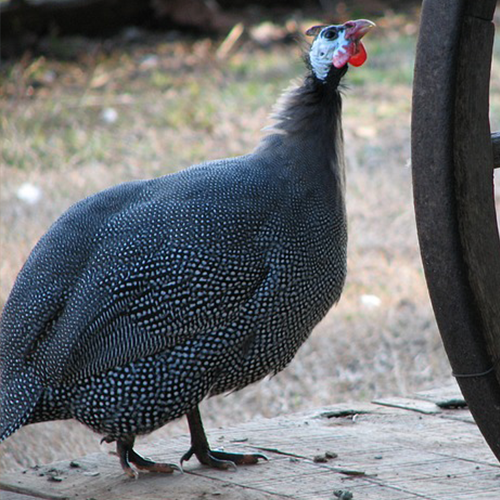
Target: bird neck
(312,110)
(307,135)
(308,129)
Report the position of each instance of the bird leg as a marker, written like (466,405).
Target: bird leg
(213,458)
(127,455)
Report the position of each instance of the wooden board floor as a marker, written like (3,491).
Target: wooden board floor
(391,449)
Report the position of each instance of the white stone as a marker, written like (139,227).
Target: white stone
(29,193)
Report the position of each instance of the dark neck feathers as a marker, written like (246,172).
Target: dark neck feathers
(311,108)
(308,127)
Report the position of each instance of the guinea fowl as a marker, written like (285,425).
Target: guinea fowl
(142,300)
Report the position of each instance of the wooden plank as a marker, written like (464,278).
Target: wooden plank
(9,495)
(426,407)
(448,398)
(99,477)
(376,452)
(442,396)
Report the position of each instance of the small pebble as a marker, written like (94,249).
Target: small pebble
(370,301)
(29,193)
(343,494)
(109,115)
(55,479)
(328,455)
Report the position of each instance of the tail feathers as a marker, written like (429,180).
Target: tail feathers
(18,398)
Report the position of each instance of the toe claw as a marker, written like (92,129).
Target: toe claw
(220,463)
(187,456)
(178,468)
(131,473)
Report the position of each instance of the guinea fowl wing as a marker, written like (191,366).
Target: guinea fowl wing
(138,317)
(157,272)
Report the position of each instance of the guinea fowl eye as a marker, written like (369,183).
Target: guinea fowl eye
(330,34)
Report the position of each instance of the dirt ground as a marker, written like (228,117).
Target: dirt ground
(92,114)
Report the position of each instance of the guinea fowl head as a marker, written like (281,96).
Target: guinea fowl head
(316,104)
(335,46)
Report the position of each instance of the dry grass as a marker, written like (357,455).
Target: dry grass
(177,105)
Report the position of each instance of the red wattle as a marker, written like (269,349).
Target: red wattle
(360,56)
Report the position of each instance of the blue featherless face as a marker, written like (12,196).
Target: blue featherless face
(338,45)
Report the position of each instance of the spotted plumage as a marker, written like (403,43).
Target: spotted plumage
(142,300)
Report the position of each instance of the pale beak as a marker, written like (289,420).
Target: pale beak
(356,30)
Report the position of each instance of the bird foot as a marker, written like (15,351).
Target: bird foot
(213,458)
(222,459)
(128,456)
(142,463)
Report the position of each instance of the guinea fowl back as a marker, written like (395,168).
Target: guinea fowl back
(147,297)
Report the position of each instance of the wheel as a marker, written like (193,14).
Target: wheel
(452,168)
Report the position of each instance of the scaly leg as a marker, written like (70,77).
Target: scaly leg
(212,458)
